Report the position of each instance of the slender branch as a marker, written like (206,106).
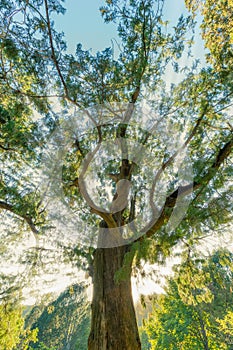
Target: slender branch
(57,66)
(28,219)
(172,158)
(53,53)
(7,148)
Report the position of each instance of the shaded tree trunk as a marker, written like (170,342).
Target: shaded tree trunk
(113,325)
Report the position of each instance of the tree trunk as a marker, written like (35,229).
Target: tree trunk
(203,331)
(113,325)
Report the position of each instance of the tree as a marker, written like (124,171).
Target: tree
(12,332)
(216,32)
(198,298)
(225,326)
(84,80)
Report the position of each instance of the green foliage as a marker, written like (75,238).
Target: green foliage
(144,339)
(13,335)
(217,32)
(41,346)
(81,334)
(196,310)
(146,46)
(226,326)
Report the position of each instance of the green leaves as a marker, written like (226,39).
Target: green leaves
(226,325)
(197,300)
(217,31)
(12,332)
(8,47)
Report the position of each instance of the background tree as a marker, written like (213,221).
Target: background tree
(197,299)
(23,92)
(13,335)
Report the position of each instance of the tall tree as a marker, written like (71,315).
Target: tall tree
(37,52)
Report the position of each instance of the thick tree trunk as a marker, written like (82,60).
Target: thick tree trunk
(113,324)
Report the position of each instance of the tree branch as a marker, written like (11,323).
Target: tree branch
(57,66)
(170,202)
(7,148)
(53,54)
(9,207)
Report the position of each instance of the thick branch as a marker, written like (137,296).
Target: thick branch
(170,202)
(107,217)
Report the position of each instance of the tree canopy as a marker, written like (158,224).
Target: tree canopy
(98,151)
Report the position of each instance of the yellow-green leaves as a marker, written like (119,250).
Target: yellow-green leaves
(196,309)
(217,30)
(226,324)
(12,333)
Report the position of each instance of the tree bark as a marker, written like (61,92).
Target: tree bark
(113,325)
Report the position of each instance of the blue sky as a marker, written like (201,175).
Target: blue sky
(83,23)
